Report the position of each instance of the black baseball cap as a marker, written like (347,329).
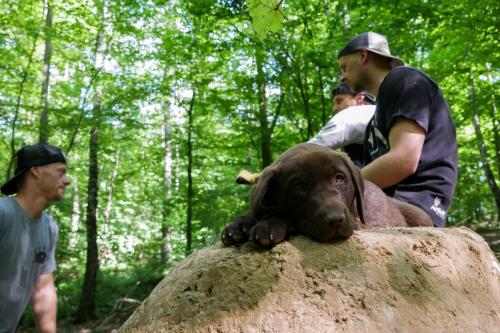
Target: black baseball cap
(347,90)
(373,42)
(343,89)
(30,156)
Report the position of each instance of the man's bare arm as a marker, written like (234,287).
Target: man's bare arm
(44,303)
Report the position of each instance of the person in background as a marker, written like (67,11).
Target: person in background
(28,237)
(411,141)
(346,129)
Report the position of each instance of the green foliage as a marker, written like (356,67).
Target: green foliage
(267,15)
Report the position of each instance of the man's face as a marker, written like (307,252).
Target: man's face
(352,71)
(53,180)
(342,101)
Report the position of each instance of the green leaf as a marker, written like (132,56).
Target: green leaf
(267,15)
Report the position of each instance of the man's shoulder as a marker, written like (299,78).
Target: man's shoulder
(7,205)
(362,108)
(355,113)
(405,73)
(8,208)
(54,228)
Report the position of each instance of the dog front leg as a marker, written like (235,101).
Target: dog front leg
(269,232)
(237,232)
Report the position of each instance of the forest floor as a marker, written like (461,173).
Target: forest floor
(124,308)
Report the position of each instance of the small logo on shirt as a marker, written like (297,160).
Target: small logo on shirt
(438,210)
(40,255)
(377,144)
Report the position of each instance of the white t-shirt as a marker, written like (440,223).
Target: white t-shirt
(345,128)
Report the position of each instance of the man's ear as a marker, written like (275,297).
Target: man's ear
(364,56)
(34,171)
(359,98)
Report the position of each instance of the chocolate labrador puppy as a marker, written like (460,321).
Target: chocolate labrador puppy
(314,191)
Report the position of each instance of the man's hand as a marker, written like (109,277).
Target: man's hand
(247,178)
(44,303)
(406,139)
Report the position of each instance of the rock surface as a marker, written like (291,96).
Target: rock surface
(379,280)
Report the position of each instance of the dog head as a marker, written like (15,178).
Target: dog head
(318,190)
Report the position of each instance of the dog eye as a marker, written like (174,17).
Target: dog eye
(297,186)
(339,178)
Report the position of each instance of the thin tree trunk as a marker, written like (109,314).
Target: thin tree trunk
(44,115)
(87,307)
(167,179)
(265,133)
(18,104)
(490,178)
(302,84)
(112,179)
(496,130)
(75,214)
(177,180)
(190,192)
(496,122)
(81,105)
(323,99)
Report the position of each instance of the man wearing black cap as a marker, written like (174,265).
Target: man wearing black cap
(346,129)
(28,237)
(411,140)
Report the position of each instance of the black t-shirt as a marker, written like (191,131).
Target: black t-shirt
(356,153)
(408,93)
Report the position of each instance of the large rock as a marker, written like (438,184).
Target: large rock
(380,280)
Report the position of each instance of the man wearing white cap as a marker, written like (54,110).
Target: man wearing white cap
(411,140)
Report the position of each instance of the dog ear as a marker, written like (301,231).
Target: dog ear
(359,185)
(263,201)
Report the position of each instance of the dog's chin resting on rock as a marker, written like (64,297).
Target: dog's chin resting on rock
(314,191)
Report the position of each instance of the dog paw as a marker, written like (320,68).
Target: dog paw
(269,232)
(237,232)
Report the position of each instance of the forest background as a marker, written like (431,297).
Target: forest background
(159,104)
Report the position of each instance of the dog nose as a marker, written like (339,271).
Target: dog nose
(334,217)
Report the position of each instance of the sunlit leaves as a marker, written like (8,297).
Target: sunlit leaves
(267,15)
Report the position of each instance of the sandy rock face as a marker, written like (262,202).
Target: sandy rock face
(380,280)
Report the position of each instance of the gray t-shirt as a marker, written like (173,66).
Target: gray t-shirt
(27,250)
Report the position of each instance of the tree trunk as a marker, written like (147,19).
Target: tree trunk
(490,178)
(87,307)
(18,105)
(44,115)
(112,179)
(265,133)
(167,181)
(496,130)
(190,192)
(82,102)
(304,94)
(486,166)
(496,123)
(323,99)
(75,214)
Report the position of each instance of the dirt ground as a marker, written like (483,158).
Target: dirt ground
(380,280)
